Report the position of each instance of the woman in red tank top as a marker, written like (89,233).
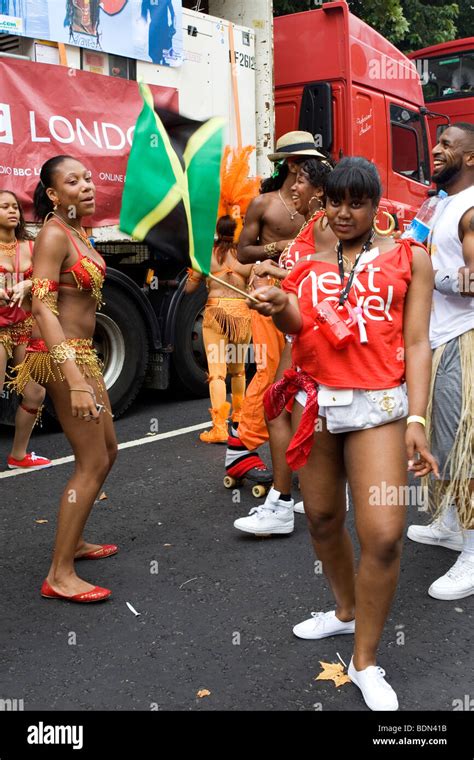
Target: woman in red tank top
(16,321)
(359,313)
(67,282)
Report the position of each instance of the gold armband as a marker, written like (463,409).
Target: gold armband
(62,352)
(271,249)
(47,292)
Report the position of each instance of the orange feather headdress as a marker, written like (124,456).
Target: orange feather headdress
(237,188)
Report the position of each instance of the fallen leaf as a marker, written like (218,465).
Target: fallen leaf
(203,693)
(167,544)
(152,435)
(103,496)
(333,671)
(41,522)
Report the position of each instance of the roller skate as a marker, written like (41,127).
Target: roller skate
(242,464)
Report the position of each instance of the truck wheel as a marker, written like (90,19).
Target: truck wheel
(189,356)
(122,344)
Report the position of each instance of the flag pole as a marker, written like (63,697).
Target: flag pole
(232,287)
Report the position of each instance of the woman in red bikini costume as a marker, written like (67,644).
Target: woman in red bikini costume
(16,321)
(67,281)
(349,421)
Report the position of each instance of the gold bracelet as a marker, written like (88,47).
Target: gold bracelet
(416,418)
(81,390)
(62,352)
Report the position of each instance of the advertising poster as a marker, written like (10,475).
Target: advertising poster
(147,30)
(35,127)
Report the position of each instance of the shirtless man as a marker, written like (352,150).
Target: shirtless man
(271,223)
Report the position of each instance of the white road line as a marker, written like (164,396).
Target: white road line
(126,445)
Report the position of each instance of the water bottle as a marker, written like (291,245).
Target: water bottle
(420,227)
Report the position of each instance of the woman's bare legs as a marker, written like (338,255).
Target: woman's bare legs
(322,483)
(374,457)
(94,446)
(280,434)
(33,398)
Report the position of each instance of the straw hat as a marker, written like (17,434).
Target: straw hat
(295,144)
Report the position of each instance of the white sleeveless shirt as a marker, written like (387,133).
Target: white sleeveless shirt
(451,316)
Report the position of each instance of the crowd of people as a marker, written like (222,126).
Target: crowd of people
(364,349)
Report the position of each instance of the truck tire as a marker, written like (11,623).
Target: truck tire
(122,344)
(189,356)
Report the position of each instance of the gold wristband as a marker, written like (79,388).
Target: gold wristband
(416,418)
(62,352)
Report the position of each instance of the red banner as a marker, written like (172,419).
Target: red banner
(48,110)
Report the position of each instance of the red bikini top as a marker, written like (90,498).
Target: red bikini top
(81,268)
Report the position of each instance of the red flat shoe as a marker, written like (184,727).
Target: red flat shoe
(97,594)
(106,550)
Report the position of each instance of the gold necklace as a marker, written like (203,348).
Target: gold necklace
(81,235)
(9,249)
(292,214)
(285,253)
(348,265)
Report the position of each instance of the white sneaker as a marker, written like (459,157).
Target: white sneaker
(322,624)
(299,508)
(458,581)
(377,693)
(270,518)
(436,534)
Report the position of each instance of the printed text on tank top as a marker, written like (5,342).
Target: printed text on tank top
(379,288)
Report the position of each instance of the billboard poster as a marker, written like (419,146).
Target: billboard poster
(147,30)
(91,117)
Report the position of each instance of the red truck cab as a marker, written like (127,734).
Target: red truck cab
(339,79)
(447,75)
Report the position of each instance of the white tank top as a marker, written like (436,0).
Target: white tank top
(451,315)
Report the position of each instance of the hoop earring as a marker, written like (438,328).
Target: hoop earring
(389,230)
(316,198)
(322,226)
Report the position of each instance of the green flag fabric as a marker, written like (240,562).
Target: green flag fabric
(172,185)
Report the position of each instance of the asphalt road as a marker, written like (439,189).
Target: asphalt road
(216,607)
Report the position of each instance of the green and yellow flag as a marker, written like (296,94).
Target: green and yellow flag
(172,186)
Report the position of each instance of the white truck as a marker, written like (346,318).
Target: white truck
(149,333)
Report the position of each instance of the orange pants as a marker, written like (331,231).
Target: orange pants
(268,344)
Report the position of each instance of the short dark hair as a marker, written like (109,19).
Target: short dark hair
(317,171)
(357,177)
(467,128)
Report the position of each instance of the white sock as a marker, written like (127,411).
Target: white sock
(274,497)
(449,518)
(468,544)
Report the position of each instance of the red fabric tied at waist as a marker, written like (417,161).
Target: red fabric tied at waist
(275,400)
(36,346)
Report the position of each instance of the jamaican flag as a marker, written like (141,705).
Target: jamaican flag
(172,185)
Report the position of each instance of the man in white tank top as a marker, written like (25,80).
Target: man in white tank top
(452,339)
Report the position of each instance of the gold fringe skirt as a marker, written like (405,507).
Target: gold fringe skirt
(229,316)
(460,461)
(39,366)
(16,335)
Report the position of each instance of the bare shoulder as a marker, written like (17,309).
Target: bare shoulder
(258,205)
(53,240)
(421,259)
(323,255)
